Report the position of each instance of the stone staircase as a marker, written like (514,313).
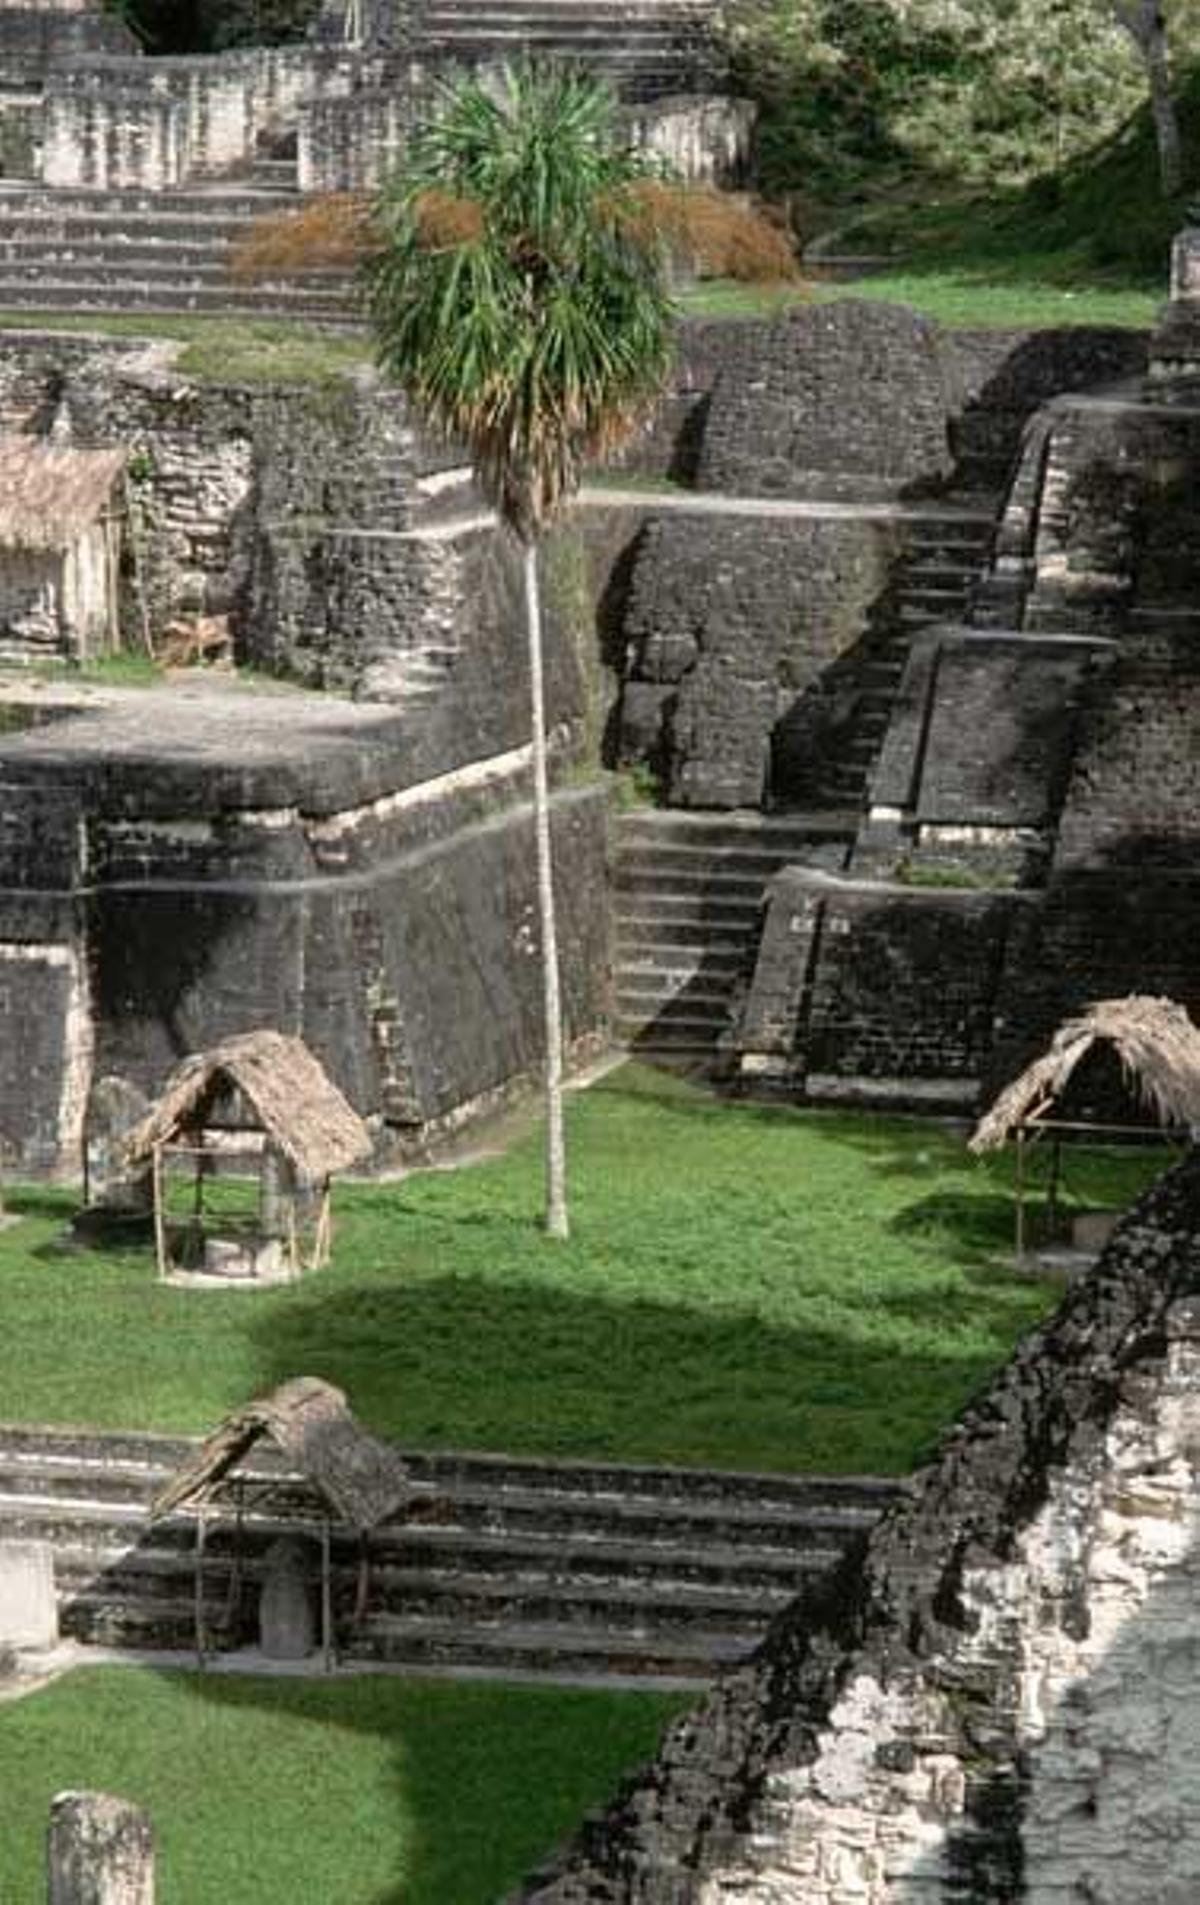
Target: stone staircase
(79,250)
(940,573)
(647,50)
(503,1566)
(688,892)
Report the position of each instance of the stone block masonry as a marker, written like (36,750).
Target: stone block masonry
(836,958)
(729,621)
(282,861)
(996,1700)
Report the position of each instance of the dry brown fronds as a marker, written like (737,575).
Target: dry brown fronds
(1158,1047)
(716,234)
(333,233)
(443,220)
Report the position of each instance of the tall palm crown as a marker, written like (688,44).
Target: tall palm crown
(517,296)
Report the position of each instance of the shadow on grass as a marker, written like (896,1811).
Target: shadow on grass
(458,1361)
(487,1778)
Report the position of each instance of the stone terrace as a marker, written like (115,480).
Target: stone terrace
(569,1571)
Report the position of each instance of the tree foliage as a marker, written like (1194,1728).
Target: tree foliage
(978,90)
(518,292)
(209,26)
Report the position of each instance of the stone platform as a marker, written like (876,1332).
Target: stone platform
(177,865)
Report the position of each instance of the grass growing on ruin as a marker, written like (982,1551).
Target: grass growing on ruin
(223,350)
(745,1286)
(365,1791)
(963,294)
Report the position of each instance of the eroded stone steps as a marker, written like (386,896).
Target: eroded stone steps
(157,253)
(166,301)
(559,1569)
(940,574)
(660,47)
(688,892)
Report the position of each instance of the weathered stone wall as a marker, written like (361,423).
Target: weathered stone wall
(868,988)
(974,767)
(850,390)
(979,391)
(704,140)
(32,39)
(995,1701)
(119,124)
(228,485)
(728,621)
(347,142)
(179,871)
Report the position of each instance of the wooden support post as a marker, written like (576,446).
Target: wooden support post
(199,1590)
(1052,1187)
(326,1600)
(160,1227)
(363,1589)
(1020,1190)
(233,1598)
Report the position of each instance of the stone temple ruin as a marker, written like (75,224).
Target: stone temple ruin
(123,177)
(927,743)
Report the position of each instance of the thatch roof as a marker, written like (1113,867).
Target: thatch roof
(50,493)
(309,1423)
(299,1107)
(1156,1042)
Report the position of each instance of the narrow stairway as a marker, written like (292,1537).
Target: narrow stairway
(646,50)
(937,580)
(688,893)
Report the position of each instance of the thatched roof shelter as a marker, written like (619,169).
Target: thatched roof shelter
(1159,1051)
(301,1110)
(51,493)
(308,1423)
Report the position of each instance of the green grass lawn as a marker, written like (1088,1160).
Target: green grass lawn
(366,1791)
(747,1286)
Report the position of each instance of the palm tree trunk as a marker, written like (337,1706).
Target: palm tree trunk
(556,1164)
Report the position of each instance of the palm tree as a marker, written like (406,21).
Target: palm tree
(517,298)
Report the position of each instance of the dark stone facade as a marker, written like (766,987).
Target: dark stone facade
(286,862)
(878,988)
(976,1707)
(848,393)
(1052,749)
(730,623)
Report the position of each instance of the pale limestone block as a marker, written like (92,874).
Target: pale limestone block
(28,1606)
(101,1851)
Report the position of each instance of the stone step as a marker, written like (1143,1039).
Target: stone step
(707,863)
(444,1553)
(115,271)
(734,829)
(447,1471)
(651,997)
(668,959)
(680,1044)
(637,936)
(217,200)
(549,1650)
(672,1024)
(504,1563)
(208,233)
(277,303)
(454,1593)
(644,915)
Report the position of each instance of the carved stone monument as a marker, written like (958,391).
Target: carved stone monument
(28,1608)
(287,1629)
(101,1851)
